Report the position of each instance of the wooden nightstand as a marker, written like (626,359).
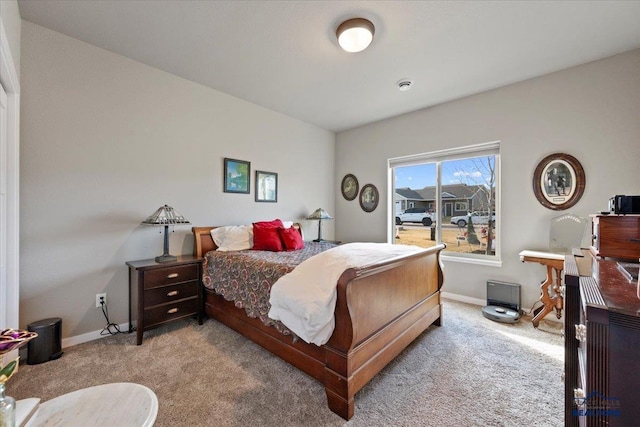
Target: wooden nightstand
(163,292)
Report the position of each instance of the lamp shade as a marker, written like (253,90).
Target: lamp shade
(166,215)
(355,35)
(319,214)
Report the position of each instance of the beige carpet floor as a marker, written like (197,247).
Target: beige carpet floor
(469,372)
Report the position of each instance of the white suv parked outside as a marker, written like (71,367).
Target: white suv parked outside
(419,215)
(476,218)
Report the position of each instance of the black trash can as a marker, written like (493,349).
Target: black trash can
(48,344)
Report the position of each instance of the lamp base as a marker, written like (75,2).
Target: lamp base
(166,258)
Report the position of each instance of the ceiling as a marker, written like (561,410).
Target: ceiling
(283,55)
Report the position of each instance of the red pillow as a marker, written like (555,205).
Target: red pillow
(266,238)
(275,223)
(291,238)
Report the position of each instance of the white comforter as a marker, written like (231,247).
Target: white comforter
(305,299)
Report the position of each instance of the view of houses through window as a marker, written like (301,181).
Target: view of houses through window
(448,200)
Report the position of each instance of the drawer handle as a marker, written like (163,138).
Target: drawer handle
(172,294)
(172,276)
(581,333)
(634,240)
(173,310)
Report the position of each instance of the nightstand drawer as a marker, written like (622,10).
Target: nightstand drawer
(167,294)
(166,312)
(168,276)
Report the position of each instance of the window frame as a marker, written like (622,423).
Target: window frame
(465,208)
(437,157)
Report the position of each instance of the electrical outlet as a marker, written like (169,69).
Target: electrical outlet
(98,297)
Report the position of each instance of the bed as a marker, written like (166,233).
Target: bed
(380,309)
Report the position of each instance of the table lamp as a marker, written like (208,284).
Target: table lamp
(166,216)
(319,214)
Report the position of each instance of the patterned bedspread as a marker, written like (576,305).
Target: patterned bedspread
(246,277)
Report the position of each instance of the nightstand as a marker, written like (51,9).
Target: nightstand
(163,292)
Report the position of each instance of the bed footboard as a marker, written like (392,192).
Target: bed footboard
(379,311)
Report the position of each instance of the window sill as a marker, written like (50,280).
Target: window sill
(471,260)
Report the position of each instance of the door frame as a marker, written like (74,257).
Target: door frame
(10,82)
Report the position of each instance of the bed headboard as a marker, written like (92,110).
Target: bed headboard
(203,242)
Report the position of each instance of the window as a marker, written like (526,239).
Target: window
(461,187)
(461,206)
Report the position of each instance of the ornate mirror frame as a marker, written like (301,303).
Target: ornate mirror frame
(558,181)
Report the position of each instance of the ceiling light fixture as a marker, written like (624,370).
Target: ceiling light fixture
(355,35)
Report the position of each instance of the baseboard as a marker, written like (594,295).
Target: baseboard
(89,336)
(465,299)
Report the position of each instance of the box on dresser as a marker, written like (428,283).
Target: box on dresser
(624,204)
(616,236)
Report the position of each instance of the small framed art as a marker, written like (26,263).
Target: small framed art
(369,198)
(236,176)
(266,186)
(349,187)
(558,181)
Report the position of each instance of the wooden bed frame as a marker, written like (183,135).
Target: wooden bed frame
(380,310)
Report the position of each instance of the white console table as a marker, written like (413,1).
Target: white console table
(108,405)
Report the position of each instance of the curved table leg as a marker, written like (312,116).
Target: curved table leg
(550,302)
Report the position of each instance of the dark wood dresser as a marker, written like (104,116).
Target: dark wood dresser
(602,343)
(163,292)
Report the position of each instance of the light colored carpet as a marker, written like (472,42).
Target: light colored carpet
(469,372)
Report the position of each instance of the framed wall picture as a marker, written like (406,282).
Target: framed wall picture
(349,187)
(558,181)
(266,186)
(236,176)
(369,198)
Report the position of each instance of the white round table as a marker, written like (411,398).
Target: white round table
(108,405)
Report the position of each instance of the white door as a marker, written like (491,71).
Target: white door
(3,207)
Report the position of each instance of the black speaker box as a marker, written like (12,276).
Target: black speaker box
(625,205)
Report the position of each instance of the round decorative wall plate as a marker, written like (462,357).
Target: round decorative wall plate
(349,187)
(369,198)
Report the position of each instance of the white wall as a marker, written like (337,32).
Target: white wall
(591,112)
(107,140)
(10,17)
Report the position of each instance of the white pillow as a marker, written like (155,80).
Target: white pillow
(233,237)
